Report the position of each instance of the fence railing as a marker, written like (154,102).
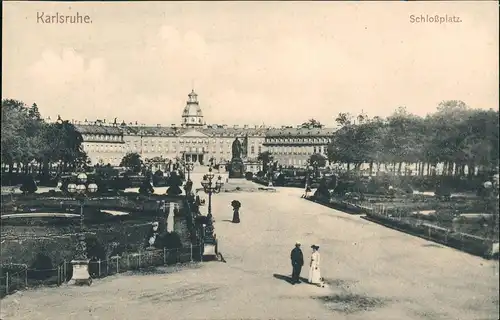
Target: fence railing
(15,277)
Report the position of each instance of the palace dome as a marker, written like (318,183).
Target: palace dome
(192,115)
(192,110)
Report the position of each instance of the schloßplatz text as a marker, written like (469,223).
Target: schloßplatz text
(440,19)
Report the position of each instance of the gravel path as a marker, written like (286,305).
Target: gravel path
(373,273)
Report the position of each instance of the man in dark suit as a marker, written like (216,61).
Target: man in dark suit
(297,262)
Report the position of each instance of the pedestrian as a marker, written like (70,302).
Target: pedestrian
(314,267)
(306,192)
(197,199)
(297,262)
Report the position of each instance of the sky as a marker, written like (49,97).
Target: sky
(272,63)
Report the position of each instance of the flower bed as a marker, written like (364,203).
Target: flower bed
(431,231)
(130,202)
(339,204)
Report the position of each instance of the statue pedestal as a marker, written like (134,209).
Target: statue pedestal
(237,169)
(80,273)
(209,248)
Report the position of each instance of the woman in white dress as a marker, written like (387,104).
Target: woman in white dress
(314,269)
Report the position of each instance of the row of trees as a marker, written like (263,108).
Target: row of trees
(28,142)
(455,136)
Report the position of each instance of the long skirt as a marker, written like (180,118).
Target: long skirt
(314,275)
(236,216)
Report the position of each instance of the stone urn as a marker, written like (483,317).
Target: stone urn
(236,211)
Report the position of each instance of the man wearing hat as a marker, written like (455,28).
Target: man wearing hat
(297,262)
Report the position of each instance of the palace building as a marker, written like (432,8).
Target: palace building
(198,142)
(293,146)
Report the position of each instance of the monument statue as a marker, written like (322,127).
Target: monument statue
(237,168)
(237,150)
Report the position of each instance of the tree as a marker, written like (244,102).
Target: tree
(344,119)
(455,136)
(15,133)
(345,146)
(65,144)
(312,123)
(317,160)
(32,144)
(132,161)
(403,138)
(34,113)
(266,157)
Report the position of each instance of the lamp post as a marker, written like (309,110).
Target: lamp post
(270,174)
(309,178)
(189,167)
(81,262)
(492,200)
(209,241)
(211,188)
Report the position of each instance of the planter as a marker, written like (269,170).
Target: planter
(81,272)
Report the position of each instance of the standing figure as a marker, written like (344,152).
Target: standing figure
(314,269)
(307,189)
(236,211)
(153,235)
(297,262)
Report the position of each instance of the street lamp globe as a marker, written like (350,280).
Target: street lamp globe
(204,183)
(82,177)
(81,188)
(210,174)
(71,188)
(92,188)
(219,183)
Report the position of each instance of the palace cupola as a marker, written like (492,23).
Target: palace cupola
(192,115)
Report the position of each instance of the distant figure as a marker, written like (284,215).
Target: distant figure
(307,190)
(153,235)
(314,268)
(297,262)
(236,211)
(197,199)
